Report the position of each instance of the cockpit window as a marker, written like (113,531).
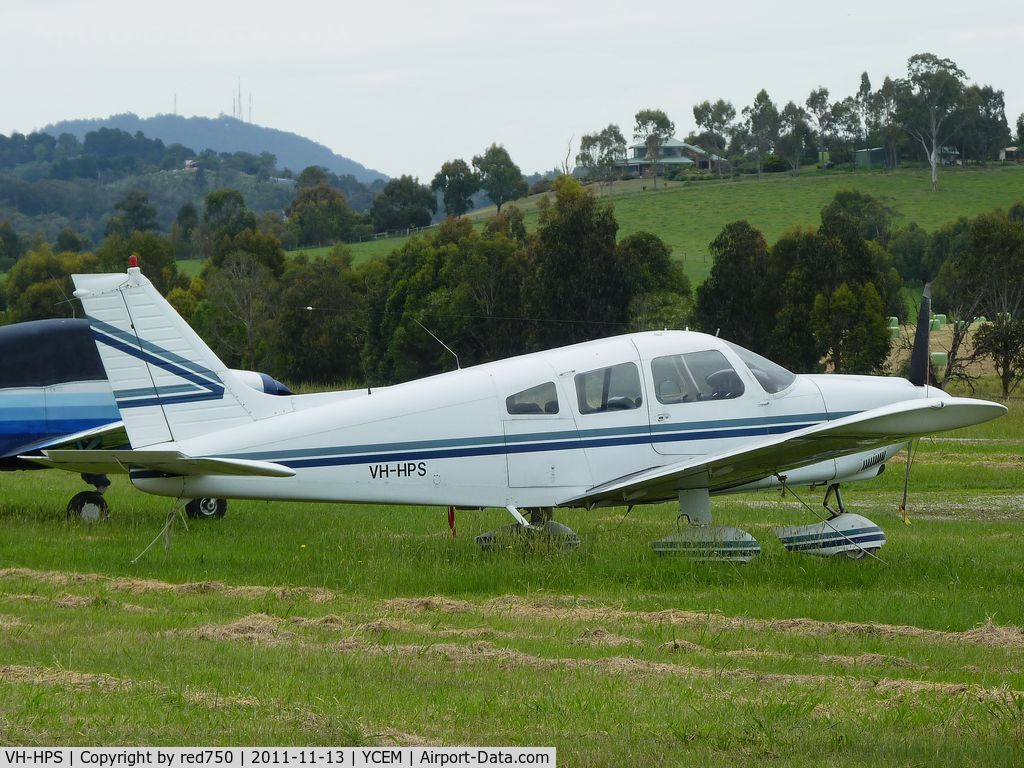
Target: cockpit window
(542,398)
(616,388)
(695,376)
(771,376)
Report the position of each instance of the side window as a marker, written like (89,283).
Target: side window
(616,388)
(695,376)
(540,399)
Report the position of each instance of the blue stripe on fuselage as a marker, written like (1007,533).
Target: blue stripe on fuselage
(532,443)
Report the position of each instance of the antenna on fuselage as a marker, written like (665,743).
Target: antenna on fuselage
(421,325)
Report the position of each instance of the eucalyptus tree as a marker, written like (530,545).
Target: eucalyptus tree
(457,183)
(653,128)
(600,153)
(930,104)
(716,120)
(762,124)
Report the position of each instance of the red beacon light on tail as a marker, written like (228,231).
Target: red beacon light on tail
(133,261)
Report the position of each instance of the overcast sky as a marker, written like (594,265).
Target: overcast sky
(404,86)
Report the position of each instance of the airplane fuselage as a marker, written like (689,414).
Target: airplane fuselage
(540,429)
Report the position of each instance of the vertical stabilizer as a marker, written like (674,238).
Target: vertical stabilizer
(169,386)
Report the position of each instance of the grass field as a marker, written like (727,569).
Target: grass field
(334,624)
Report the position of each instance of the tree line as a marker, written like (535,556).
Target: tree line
(932,114)
(488,293)
(818,297)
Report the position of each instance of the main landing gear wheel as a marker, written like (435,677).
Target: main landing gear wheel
(206,508)
(542,533)
(88,506)
(700,540)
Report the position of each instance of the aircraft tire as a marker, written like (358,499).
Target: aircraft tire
(89,507)
(206,508)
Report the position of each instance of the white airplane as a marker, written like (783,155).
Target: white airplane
(634,419)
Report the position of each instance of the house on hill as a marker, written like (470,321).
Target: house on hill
(674,154)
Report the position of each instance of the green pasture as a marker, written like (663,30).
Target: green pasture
(341,624)
(688,215)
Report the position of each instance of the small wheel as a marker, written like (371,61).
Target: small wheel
(88,506)
(858,554)
(206,508)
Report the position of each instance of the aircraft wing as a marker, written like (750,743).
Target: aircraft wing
(166,462)
(864,431)
(111,435)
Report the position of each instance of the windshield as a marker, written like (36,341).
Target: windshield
(771,376)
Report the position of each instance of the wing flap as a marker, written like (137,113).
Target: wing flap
(864,431)
(166,462)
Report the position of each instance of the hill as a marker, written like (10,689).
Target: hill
(225,134)
(689,215)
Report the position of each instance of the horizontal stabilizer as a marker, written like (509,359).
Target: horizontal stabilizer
(167,462)
(875,428)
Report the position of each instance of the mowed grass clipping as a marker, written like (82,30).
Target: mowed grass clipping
(340,624)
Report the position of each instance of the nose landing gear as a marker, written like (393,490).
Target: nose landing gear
(842,533)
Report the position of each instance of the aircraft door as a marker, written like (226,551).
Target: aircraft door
(541,438)
(701,403)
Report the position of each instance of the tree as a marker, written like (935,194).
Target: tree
(68,240)
(846,122)
(577,287)
(11,245)
(238,313)
(318,333)
(320,214)
(137,214)
(727,300)
(404,203)
(716,120)
(983,130)
(312,176)
(1020,129)
(155,252)
(225,215)
(457,183)
(653,128)
(600,152)
(39,284)
(581,283)
(259,245)
(864,100)
(762,119)
(1002,341)
(885,119)
(500,178)
(795,133)
(929,101)
(820,110)
(183,229)
(871,216)
(851,325)
(982,276)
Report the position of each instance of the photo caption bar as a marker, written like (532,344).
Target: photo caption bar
(243,757)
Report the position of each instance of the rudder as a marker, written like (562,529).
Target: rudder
(168,384)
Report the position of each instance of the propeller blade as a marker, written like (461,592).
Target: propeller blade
(919,355)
